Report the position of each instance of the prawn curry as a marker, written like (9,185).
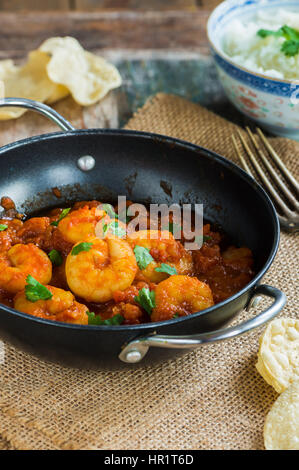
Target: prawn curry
(55,267)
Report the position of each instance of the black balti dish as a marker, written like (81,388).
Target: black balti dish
(102,164)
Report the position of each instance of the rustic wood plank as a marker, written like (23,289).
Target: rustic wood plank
(20,33)
(102,114)
(210,3)
(91,5)
(144,73)
(155,51)
(135,4)
(27,5)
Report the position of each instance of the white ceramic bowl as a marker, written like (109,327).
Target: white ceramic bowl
(272,103)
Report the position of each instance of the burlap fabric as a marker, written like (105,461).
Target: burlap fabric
(212,398)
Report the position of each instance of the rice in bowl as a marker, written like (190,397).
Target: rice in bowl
(245,47)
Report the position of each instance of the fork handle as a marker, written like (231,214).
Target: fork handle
(288,225)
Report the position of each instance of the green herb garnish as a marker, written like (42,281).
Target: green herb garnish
(146,299)
(289,33)
(84,246)
(165,268)
(176,315)
(63,214)
(55,257)
(110,211)
(264,33)
(3,227)
(97,320)
(290,46)
(123,216)
(202,239)
(143,256)
(172,228)
(115,229)
(35,291)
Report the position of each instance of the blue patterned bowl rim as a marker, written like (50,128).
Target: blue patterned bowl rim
(220,17)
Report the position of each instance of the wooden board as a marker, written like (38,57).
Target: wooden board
(29,5)
(16,5)
(20,33)
(138,4)
(144,74)
(154,52)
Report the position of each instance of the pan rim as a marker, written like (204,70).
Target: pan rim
(184,144)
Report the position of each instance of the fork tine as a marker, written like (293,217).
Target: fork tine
(278,161)
(243,161)
(272,172)
(265,180)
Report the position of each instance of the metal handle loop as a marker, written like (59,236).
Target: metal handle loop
(39,108)
(137,349)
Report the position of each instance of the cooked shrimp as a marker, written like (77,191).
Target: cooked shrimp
(163,248)
(81,223)
(5,240)
(180,295)
(61,307)
(108,227)
(108,265)
(20,261)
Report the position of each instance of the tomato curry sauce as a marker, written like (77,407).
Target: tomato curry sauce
(56,267)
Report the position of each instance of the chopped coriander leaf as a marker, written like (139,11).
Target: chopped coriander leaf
(143,256)
(165,268)
(118,231)
(35,291)
(63,214)
(97,320)
(115,229)
(289,33)
(264,33)
(55,257)
(202,239)
(173,228)
(110,211)
(84,246)
(3,227)
(290,48)
(124,217)
(146,299)
(176,315)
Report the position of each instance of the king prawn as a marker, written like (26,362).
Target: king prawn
(55,266)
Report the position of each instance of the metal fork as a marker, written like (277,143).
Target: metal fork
(288,217)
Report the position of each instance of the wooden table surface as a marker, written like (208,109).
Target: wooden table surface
(154,50)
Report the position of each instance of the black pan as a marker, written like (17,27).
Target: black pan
(146,168)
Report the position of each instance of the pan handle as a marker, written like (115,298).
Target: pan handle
(39,108)
(136,350)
